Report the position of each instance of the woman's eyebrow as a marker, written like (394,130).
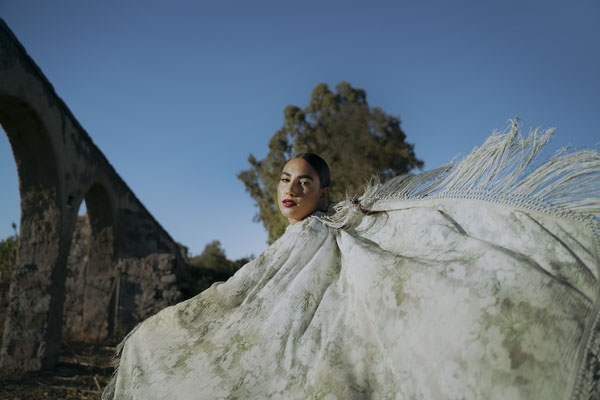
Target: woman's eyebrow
(299,177)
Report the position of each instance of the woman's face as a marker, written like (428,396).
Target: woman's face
(299,191)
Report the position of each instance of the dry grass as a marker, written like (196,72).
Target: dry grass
(82,372)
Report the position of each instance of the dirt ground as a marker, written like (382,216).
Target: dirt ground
(82,372)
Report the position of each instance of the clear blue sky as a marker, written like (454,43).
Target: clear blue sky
(178,93)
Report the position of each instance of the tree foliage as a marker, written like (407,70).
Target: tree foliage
(356,140)
(210,266)
(8,250)
(213,258)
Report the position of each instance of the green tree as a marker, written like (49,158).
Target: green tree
(356,140)
(8,250)
(212,258)
(210,266)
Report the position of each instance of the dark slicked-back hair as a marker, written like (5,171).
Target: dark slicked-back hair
(319,165)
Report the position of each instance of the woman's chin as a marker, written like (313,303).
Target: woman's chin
(292,215)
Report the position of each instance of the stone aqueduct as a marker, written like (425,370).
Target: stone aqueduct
(134,266)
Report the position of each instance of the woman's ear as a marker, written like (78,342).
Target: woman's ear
(323,202)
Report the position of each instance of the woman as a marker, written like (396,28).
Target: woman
(478,280)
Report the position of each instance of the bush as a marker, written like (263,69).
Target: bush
(8,252)
(209,267)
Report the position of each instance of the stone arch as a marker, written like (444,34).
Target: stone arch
(41,261)
(72,327)
(31,145)
(100,280)
(58,167)
(89,306)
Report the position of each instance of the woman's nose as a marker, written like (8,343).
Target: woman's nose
(290,190)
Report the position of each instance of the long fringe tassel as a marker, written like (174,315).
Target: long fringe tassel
(500,171)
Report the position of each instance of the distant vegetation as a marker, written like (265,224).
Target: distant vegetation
(210,266)
(356,140)
(8,250)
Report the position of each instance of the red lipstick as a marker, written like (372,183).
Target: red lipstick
(288,203)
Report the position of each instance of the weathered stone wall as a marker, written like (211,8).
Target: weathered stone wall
(141,286)
(75,283)
(147,286)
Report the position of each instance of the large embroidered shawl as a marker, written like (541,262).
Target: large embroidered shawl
(474,281)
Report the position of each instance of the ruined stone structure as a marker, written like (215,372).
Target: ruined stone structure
(131,268)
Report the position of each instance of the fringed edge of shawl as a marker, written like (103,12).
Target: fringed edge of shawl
(109,391)
(502,171)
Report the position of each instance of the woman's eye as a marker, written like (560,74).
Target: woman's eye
(284,180)
(304,183)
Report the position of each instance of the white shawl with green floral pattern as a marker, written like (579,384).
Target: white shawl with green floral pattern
(474,281)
